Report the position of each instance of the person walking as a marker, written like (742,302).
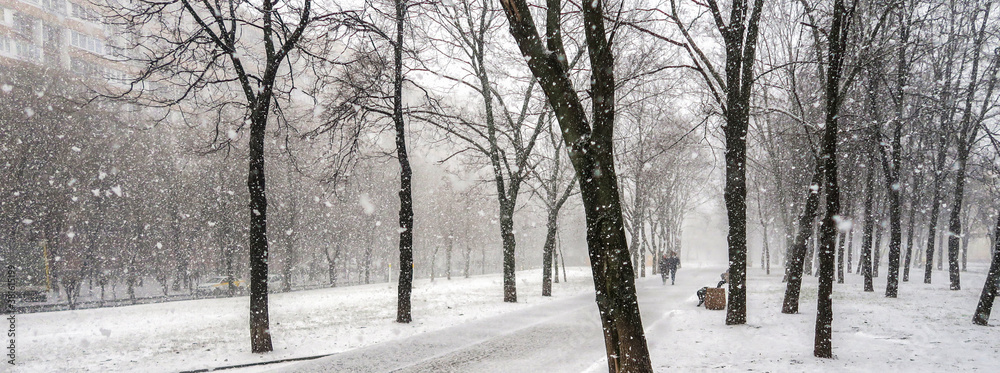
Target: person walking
(672,263)
(664,267)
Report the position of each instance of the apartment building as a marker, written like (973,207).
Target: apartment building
(58,34)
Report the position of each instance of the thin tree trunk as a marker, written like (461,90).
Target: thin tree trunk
(405,287)
(892,171)
(556,254)
(797,257)
(877,255)
(548,252)
(850,248)
(866,240)
(967,137)
(509,245)
(985,305)
(447,256)
(811,248)
(895,215)
(823,346)
(468,259)
(965,249)
(842,237)
(765,254)
(940,253)
(914,203)
(562,260)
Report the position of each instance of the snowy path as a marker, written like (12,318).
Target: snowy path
(562,336)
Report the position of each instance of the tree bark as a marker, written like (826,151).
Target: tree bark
(741,45)
(866,238)
(548,253)
(892,170)
(797,256)
(823,346)
(405,287)
(985,305)
(592,154)
(967,137)
(850,247)
(840,256)
(555,257)
(260,335)
(447,256)
(877,248)
(914,203)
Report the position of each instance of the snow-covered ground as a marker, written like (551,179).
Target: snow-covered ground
(462,326)
(196,334)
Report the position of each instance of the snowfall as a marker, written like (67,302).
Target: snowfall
(461,325)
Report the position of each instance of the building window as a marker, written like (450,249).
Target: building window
(55,6)
(5,45)
(52,36)
(28,52)
(86,42)
(83,12)
(79,11)
(24,25)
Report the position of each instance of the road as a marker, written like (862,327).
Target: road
(563,336)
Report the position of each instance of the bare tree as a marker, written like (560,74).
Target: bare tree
(740,39)
(591,150)
(202,47)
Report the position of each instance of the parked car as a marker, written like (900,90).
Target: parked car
(219,285)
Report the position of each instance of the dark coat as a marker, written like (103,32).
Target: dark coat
(669,264)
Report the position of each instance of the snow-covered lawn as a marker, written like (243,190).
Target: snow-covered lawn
(927,329)
(196,334)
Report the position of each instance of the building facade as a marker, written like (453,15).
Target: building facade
(59,34)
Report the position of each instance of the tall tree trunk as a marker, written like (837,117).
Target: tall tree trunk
(840,256)
(895,215)
(562,261)
(850,247)
(642,252)
(914,204)
(965,246)
(877,255)
(509,244)
(797,256)
(985,305)
(940,253)
(966,138)
(866,238)
(556,254)
(765,254)
(823,346)
(468,260)
(548,252)
(260,335)
(947,113)
(811,248)
(331,270)
(591,151)
(403,314)
(892,170)
(447,256)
